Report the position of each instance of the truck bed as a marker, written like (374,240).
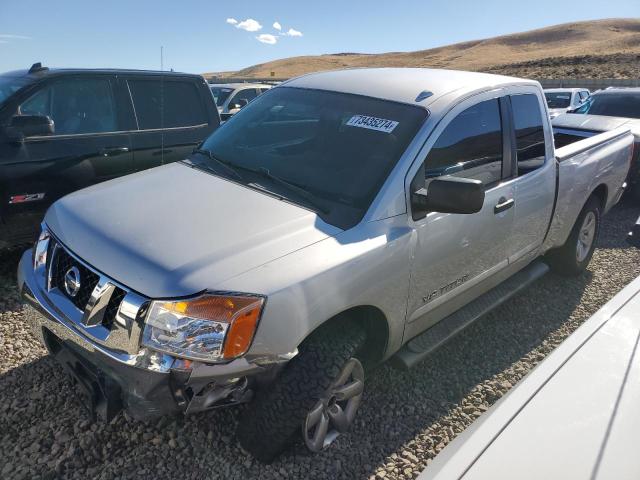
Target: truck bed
(585,164)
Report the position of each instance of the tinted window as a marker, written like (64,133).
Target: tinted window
(10,85)
(76,105)
(220,94)
(470,146)
(613,105)
(558,99)
(247,94)
(527,118)
(182,104)
(338,147)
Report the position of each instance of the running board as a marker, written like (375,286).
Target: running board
(419,347)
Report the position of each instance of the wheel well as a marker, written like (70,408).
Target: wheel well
(374,322)
(601,194)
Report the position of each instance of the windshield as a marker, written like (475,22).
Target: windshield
(338,147)
(558,99)
(613,105)
(220,94)
(10,85)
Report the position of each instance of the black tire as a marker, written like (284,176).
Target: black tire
(276,416)
(565,260)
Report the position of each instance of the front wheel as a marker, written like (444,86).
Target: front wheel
(316,395)
(574,256)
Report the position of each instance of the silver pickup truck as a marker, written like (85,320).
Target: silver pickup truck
(339,220)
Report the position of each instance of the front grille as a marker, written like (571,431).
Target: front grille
(98,302)
(62,263)
(112,307)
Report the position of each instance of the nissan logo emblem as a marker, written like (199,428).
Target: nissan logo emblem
(72,281)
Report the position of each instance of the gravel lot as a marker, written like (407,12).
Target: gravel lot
(406,420)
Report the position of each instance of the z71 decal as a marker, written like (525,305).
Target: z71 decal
(28,197)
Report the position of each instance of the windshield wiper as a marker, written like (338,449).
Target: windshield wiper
(265,173)
(227,165)
(297,189)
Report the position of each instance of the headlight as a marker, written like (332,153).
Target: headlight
(40,249)
(209,328)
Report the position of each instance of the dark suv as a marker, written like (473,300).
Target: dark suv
(63,130)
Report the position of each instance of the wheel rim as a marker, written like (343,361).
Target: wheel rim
(586,236)
(334,412)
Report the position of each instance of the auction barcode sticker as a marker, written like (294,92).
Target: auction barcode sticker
(372,123)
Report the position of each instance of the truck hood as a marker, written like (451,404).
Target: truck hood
(596,123)
(176,231)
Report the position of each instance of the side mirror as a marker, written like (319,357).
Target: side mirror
(22,126)
(448,195)
(633,238)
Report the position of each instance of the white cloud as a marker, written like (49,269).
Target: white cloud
(232,21)
(293,33)
(7,36)
(267,38)
(277,26)
(250,25)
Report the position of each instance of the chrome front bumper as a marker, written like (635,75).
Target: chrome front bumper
(151,383)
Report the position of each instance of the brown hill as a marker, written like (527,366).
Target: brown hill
(618,39)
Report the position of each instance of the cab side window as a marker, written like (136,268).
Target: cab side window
(470,146)
(530,144)
(163,103)
(76,106)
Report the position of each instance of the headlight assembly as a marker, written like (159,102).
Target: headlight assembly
(206,328)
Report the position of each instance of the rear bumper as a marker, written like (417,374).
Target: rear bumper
(148,384)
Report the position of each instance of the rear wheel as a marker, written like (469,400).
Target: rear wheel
(574,256)
(314,399)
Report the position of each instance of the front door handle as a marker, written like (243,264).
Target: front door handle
(503,204)
(113,151)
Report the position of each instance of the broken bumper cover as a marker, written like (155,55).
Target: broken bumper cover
(146,384)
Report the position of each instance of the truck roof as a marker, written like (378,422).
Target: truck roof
(403,85)
(619,90)
(563,90)
(45,72)
(240,85)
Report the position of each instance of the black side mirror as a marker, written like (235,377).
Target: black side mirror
(22,126)
(448,195)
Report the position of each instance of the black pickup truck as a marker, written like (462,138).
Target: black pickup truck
(65,129)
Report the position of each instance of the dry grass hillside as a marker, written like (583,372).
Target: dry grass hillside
(597,49)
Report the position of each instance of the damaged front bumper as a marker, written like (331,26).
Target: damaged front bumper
(146,383)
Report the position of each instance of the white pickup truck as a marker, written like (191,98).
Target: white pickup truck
(339,220)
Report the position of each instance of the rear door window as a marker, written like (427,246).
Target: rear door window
(530,143)
(470,146)
(76,105)
(165,103)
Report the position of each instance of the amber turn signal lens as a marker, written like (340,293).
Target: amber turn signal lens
(242,329)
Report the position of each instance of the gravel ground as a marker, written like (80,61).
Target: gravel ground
(406,419)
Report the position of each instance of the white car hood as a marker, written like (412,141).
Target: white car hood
(574,417)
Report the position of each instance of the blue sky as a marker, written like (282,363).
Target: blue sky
(197,38)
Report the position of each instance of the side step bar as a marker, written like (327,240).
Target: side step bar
(419,347)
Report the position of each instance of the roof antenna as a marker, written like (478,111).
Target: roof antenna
(37,67)
(162,105)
